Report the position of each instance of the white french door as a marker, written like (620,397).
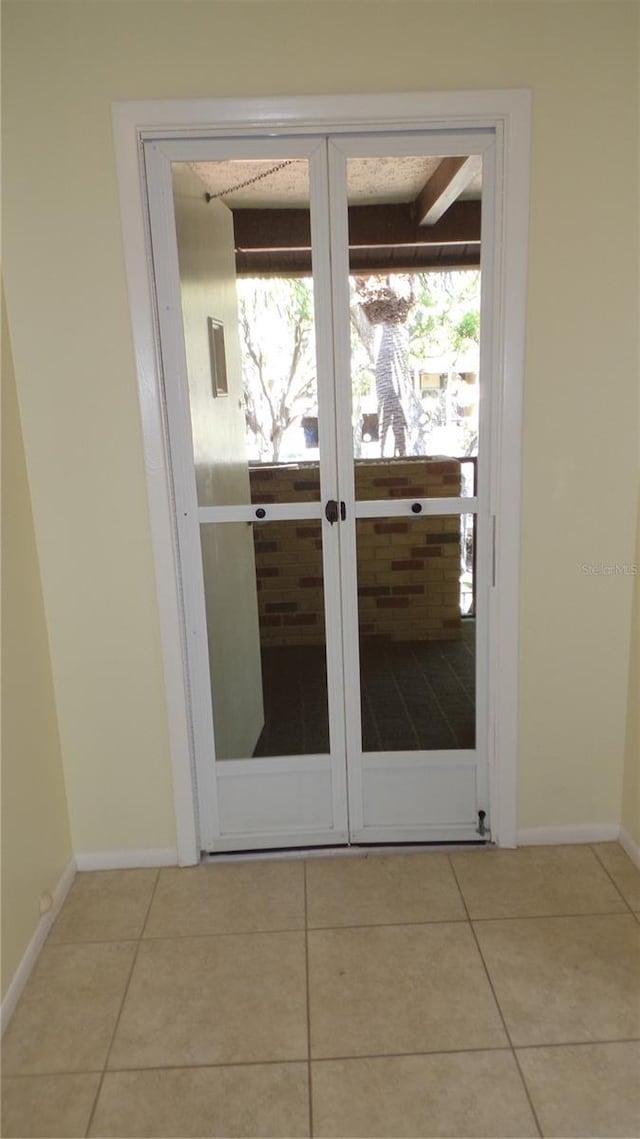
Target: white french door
(337,693)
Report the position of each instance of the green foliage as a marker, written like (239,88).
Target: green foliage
(445,316)
(467,328)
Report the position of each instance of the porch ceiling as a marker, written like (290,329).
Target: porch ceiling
(272,184)
(405,214)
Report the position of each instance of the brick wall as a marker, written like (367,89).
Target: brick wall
(408,568)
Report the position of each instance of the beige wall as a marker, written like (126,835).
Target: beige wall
(208,282)
(64,64)
(36,844)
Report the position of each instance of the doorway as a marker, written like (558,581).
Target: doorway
(329,420)
(377,795)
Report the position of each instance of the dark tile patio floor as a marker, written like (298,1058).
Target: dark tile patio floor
(414,696)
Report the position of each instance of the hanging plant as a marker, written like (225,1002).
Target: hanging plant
(383,304)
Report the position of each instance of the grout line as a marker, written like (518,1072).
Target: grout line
(37,1075)
(579,1043)
(262,932)
(355,925)
(547,917)
(525,1085)
(461,896)
(183,936)
(122,1003)
(384,924)
(151,901)
(593,847)
(497,1003)
(306,962)
(328,1059)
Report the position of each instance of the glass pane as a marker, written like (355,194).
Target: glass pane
(415,317)
(264,594)
(244,250)
(417,648)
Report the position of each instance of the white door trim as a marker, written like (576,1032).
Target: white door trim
(507,112)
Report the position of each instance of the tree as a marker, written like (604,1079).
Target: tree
(278,358)
(418,316)
(398,323)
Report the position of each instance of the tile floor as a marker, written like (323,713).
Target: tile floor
(484,993)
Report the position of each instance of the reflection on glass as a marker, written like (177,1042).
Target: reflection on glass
(244,252)
(415,309)
(417,650)
(264,596)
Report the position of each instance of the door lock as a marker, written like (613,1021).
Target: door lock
(335,511)
(331,511)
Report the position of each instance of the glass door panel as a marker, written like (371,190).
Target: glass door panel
(250,338)
(415,323)
(414,363)
(253,400)
(417,651)
(254,417)
(264,596)
(411,286)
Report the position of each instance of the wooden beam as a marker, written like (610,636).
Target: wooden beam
(369,226)
(362,261)
(444,187)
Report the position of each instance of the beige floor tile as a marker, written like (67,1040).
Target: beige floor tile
(459,1093)
(585,1090)
(109,905)
(381,890)
(535,881)
(625,875)
(55,1107)
(566,979)
(249,1100)
(214,1000)
(66,1016)
(411,988)
(229,898)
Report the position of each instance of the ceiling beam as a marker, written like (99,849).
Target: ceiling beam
(444,187)
(369,226)
(362,261)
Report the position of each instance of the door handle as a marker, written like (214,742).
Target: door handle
(331,511)
(334,511)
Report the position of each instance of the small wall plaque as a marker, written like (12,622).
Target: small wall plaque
(219,384)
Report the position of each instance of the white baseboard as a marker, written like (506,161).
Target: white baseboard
(630,845)
(30,955)
(126,859)
(572,833)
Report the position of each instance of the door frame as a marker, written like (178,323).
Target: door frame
(508,114)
